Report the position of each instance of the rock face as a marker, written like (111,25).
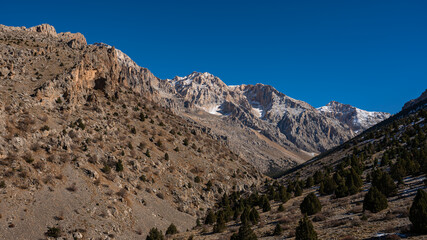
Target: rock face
(300,129)
(412,102)
(357,119)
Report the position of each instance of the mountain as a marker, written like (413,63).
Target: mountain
(334,189)
(357,119)
(86,151)
(293,130)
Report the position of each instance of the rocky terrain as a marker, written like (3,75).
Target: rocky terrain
(84,151)
(93,146)
(396,148)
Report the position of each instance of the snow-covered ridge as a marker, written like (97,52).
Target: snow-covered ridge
(356,118)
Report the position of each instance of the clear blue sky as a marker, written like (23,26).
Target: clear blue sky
(371,54)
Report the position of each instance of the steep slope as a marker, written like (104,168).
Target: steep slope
(85,149)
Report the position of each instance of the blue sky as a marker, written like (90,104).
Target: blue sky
(371,54)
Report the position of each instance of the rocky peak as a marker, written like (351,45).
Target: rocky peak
(44,28)
(357,119)
(415,101)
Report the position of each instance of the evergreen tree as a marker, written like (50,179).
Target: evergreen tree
(220,223)
(254,216)
(210,218)
(310,205)
(374,201)
(305,230)
(265,204)
(155,234)
(309,182)
(281,208)
(278,230)
(298,190)
(171,229)
(327,186)
(418,212)
(383,182)
(245,233)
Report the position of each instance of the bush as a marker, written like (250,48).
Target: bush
(155,234)
(305,230)
(171,230)
(310,205)
(374,200)
(54,232)
(119,166)
(418,212)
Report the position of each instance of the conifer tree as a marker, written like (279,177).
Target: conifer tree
(305,230)
(245,233)
(310,205)
(278,230)
(171,229)
(418,212)
(155,234)
(374,201)
(210,218)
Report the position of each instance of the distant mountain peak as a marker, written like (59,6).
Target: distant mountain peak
(356,118)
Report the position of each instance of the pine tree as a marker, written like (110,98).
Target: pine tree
(418,212)
(171,229)
(245,233)
(210,218)
(266,204)
(309,182)
(374,201)
(383,182)
(278,230)
(155,234)
(254,216)
(281,208)
(310,205)
(298,190)
(305,230)
(220,223)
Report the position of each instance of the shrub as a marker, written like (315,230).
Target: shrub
(197,179)
(171,229)
(310,205)
(281,208)
(119,166)
(418,212)
(54,232)
(374,200)
(305,230)
(155,234)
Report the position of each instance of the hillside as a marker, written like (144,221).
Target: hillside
(390,156)
(84,152)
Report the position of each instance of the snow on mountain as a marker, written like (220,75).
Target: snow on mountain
(358,119)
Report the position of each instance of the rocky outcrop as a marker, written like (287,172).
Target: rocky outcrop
(357,119)
(413,102)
